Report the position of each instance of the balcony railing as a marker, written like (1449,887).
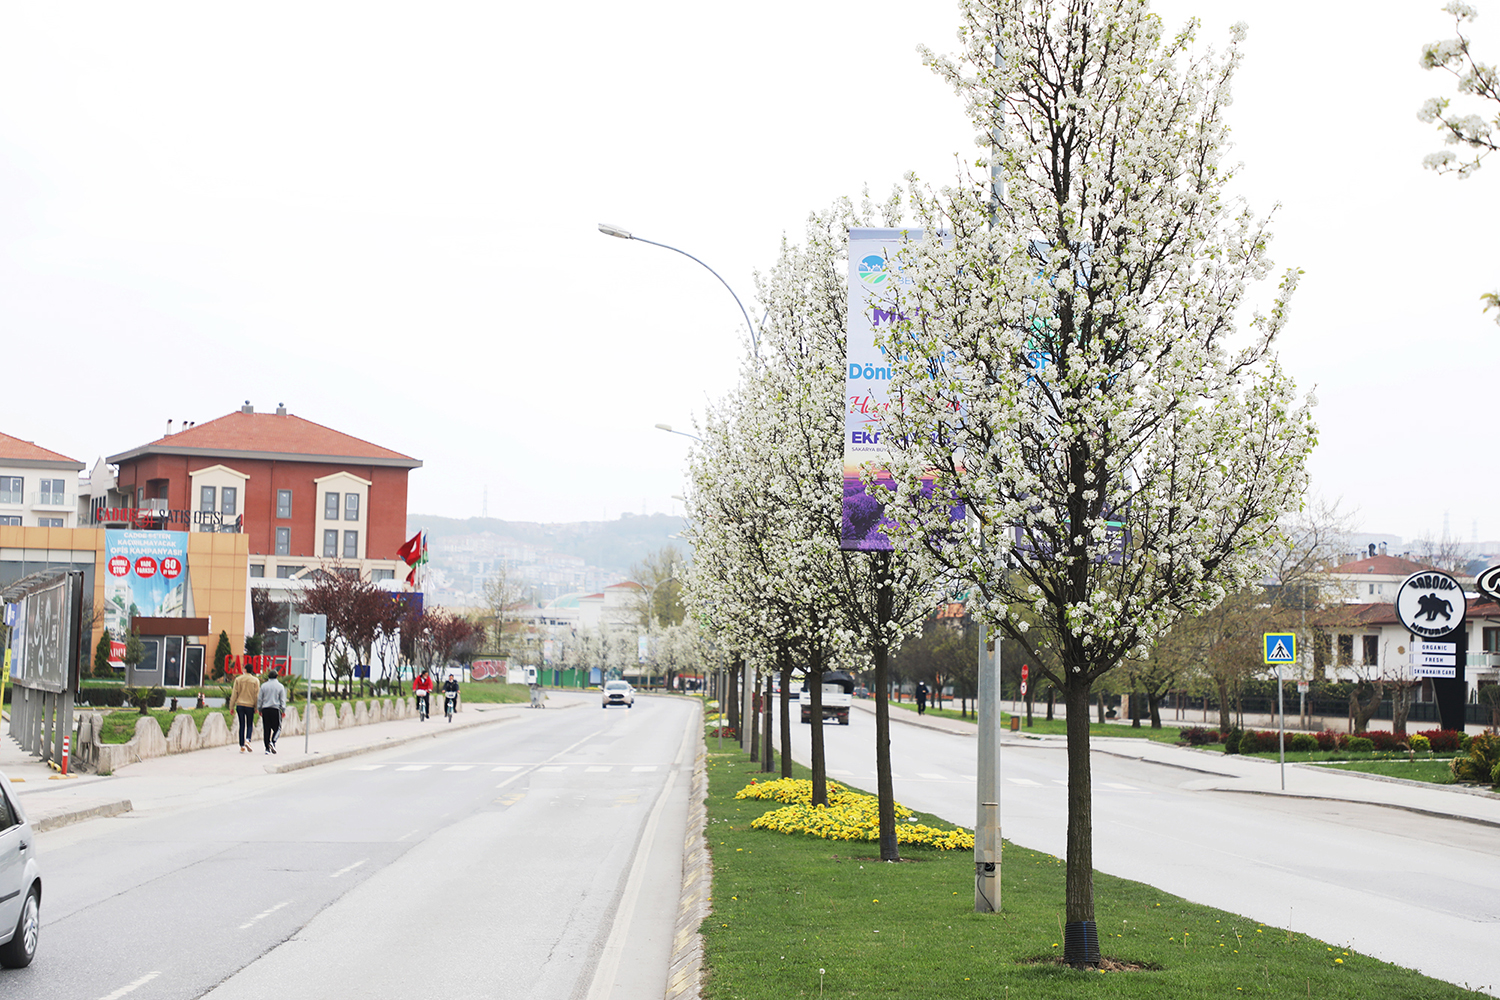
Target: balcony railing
(50,500)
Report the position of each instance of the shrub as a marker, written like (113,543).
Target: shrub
(1232,741)
(1442,740)
(1383,740)
(1495,776)
(1197,736)
(101,695)
(1359,744)
(1419,743)
(1330,740)
(1304,743)
(1480,762)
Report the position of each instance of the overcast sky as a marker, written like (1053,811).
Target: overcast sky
(384,217)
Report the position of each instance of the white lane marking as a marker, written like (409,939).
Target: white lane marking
(367,767)
(552,768)
(932,777)
(1116,784)
(1024,781)
(598,770)
(258,917)
(643,768)
(348,868)
(408,834)
(459,767)
(414,767)
(132,987)
(1060,781)
(506,768)
(968,777)
(841,774)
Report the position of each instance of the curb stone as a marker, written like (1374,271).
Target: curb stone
(72,816)
(685,971)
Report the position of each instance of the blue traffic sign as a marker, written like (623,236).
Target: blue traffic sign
(1281,647)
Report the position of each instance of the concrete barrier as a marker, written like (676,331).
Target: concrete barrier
(184,736)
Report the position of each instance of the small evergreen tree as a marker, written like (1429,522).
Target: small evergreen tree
(101,656)
(222,652)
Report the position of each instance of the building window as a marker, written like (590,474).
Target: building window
(229,500)
(10,489)
(330,543)
(330,506)
(1372,650)
(287,572)
(49,522)
(1491,640)
(283,503)
(351,506)
(52,493)
(1372,588)
(207,498)
(1346,649)
(10,521)
(382,574)
(283,542)
(257,570)
(351,544)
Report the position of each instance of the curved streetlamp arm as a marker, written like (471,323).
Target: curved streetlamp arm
(625,234)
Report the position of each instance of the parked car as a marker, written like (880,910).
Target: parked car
(20,884)
(618,693)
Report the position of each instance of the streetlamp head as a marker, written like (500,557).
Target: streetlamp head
(611,230)
(664,427)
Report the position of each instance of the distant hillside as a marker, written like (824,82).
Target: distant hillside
(615,545)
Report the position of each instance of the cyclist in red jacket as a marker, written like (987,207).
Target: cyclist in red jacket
(421,686)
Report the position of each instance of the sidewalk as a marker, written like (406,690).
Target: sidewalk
(51,800)
(1222,772)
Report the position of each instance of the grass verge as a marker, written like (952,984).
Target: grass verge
(1057,727)
(488,693)
(795,916)
(1436,772)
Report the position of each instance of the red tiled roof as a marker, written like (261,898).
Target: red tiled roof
(1382,566)
(268,434)
(28,451)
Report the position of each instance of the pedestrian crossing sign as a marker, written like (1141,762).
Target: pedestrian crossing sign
(1281,647)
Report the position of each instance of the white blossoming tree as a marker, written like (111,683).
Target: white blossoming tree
(1474,132)
(1069,364)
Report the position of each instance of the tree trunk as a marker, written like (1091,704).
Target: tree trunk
(880,652)
(753,723)
(786,716)
(1079,894)
(768,759)
(1135,710)
(1224,723)
(1052,703)
(1153,705)
(732,690)
(815,719)
(1099,698)
(1360,713)
(1402,694)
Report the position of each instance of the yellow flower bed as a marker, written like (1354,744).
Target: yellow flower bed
(849,815)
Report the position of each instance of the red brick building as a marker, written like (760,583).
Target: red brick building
(304,495)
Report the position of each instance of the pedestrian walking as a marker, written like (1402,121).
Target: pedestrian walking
(921,698)
(244,697)
(272,702)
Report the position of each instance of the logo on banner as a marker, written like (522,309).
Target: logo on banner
(872,270)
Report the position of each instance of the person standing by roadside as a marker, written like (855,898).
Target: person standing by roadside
(243,698)
(272,702)
(921,698)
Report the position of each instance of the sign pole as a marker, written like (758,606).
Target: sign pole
(1281,711)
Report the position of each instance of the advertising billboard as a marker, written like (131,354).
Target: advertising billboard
(146,574)
(44,640)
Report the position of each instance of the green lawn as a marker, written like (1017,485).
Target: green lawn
(489,693)
(1435,771)
(795,916)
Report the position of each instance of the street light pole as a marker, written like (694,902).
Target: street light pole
(625,234)
(672,430)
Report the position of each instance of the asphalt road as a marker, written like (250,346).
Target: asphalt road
(525,859)
(1419,891)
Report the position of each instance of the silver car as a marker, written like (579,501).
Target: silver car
(20,884)
(618,693)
